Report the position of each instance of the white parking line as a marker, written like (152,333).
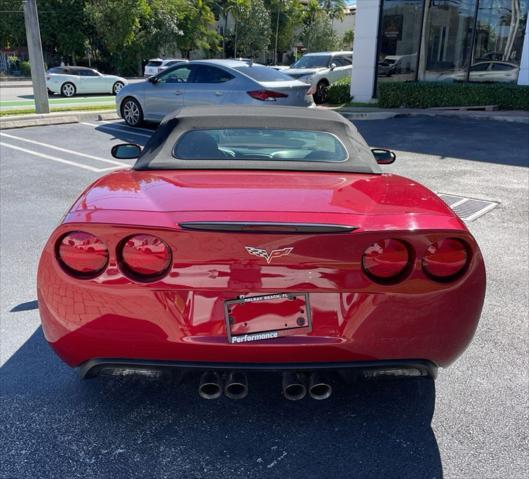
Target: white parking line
(61,160)
(122,125)
(115,128)
(460,202)
(64,150)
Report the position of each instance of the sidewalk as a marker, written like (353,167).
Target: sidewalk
(368,113)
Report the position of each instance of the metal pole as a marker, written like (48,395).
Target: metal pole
(36,60)
(277,31)
(472,42)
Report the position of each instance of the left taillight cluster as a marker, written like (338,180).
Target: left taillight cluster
(389,261)
(141,257)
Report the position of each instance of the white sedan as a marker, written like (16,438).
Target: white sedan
(69,81)
(321,70)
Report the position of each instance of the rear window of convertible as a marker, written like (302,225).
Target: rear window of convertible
(259,144)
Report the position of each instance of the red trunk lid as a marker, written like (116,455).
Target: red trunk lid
(166,198)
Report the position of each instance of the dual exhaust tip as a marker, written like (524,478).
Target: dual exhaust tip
(295,386)
(235,386)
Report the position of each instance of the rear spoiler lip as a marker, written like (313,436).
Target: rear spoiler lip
(266,227)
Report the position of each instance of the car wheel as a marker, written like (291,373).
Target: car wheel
(321,92)
(68,89)
(117,87)
(131,112)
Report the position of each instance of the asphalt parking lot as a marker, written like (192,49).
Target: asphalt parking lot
(470,423)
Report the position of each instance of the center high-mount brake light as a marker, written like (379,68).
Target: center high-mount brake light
(266,95)
(82,254)
(445,259)
(386,260)
(145,257)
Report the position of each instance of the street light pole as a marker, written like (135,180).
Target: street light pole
(277,31)
(36,60)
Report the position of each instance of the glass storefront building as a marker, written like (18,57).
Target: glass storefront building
(443,40)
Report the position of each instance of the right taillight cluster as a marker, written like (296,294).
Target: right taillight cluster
(445,259)
(266,95)
(142,257)
(389,261)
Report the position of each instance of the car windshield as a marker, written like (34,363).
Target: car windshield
(313,61)
(154,63)
(265,74)
(259,144)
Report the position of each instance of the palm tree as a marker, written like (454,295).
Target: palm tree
(334,8)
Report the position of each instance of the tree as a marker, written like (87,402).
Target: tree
(130,31)
(348,39)
(162,29)
(318,33)
(197,25)
(63,29)
(252,29)
(287,20)
(335,9)
(118,25)
(12,30)
(226,9)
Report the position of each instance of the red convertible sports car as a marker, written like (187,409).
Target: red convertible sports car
(259,240)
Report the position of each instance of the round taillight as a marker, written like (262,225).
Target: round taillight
(445,259)
(145,256)
(82,254)
(386,260)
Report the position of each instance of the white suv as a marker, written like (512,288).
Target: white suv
(156,65)
(320,70)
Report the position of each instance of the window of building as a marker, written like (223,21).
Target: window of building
(449,30)
(500,27)
(451,40)
(400,35)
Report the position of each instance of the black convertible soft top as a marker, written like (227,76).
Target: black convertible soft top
(157,153)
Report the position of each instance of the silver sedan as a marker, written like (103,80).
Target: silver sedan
(208,82)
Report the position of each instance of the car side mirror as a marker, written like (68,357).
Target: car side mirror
(333,66)
(383,156)
(126,151)
(153,80)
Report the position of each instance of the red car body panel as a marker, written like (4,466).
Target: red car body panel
(181,316)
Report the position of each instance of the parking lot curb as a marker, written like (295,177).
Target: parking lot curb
(375,115)
(511,116)
(24,121)
(108,116)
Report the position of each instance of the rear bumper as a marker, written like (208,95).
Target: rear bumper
(412,367)
(181,319)
(54,87)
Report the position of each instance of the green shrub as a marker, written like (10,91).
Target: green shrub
(25,69)
(438,94)
(339,92)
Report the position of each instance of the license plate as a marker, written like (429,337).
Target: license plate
(258,318)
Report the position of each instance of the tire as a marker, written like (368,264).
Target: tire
(68,89)
(131,112)
(117,87)
(321,92)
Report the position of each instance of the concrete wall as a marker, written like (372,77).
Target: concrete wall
(347,23)
(365,49)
